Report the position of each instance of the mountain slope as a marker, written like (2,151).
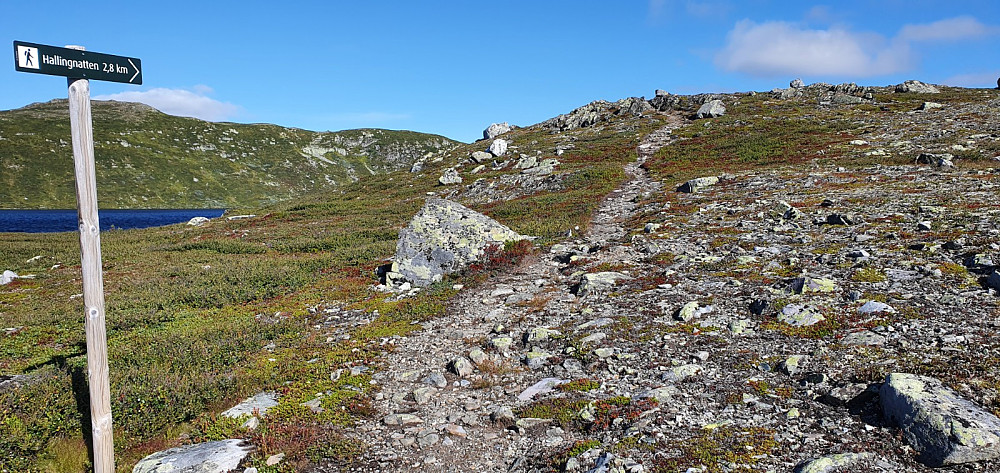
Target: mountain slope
(148,159)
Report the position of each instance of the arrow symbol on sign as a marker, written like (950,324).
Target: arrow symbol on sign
(137,71)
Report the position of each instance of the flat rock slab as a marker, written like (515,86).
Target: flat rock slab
(945,428)
(834,463)
(209,457)
(259,402)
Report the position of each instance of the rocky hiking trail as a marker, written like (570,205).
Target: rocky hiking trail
(448,400)
(721,329)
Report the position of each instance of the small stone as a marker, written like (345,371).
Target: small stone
(793,413)
(604,352)
(450,177)
(436,379)
(495,130)
(539,334)
(274,459)
(402,420)
(423,395)
(835,463)
(503,415)
(536,359)
(481,156)
(501,344)
(477,356)
(698,184)
(461,366)
(428,440)
(498,147)
(799,315)
(456,430)
(793,364)
(812,285)
(687,312)
(875,307)
(682,372)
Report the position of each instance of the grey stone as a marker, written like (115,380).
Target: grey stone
(498,147)
(799,315)
(687,312)
(806,285)
(423,395)
(495,130)
(450,177)
(461,366)
(538,334)
(875,307)
(682,372)
(259,402)
(930,105)
(793,364)
(863,338)
(436,379)
(695,185)
(834,463)
(915,86)
(481,156)
(209,457)
(943,427)
(546,385)
(444,237)
(402,420)
(797,84)
(994,280)
(634,106)
(526,162)
(198,221)
(598,282)
(711,109)
(7,277)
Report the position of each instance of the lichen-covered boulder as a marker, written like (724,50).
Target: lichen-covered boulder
(944,427)
(711,109)
(444,237)
(915,86)
(209,457)
(495,130)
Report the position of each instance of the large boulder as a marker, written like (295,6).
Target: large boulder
(712,109)
(495,130)
(498,147)
(915,86)
(209,457)
(945,428)
(444,237)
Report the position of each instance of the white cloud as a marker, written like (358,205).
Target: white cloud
(780,48)
(186,103)
(976,79)
(951,29)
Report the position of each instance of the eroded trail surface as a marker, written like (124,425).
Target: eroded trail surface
(439,415)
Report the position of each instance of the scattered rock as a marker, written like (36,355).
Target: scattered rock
(599,282)
(7,277)
(799,315)
(444,237)
(209,457)
(797,84)
(498,147)
(198,221)
(461,366)
(711,109)
(450,177)
(917,87)
(258,403)
(495,130)
(835,463)
(943,427)
(481,156)
(698,184)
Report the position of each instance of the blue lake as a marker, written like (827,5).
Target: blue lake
(65,220)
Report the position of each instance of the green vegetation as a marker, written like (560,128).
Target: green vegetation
(724,448)
(201,317)
(147,159)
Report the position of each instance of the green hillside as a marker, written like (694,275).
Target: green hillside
(148,159)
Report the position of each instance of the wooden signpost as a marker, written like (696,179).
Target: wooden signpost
(80,66)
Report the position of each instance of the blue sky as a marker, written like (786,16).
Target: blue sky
(454,67)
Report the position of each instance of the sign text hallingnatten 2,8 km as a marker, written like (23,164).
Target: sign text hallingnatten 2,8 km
(55,61)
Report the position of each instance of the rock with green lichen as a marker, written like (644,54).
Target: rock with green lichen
(444,237)
(944,427)
(833,463)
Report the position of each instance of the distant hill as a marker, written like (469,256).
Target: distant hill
(148,159)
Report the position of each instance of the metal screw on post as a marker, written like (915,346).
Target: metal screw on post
(93,278)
